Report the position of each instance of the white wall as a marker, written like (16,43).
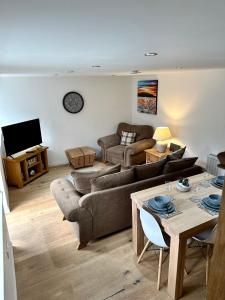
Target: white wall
(192,104)
(107,102)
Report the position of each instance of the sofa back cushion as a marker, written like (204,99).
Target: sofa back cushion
(174,147)
(178,154)
(113,180)
(179,164)
(82,180)
(146,171)
(142,131)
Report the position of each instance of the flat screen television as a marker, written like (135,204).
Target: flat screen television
(21,136)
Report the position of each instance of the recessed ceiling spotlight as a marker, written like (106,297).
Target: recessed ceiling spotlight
(135,72)
(151,54)
(70,71)
(96,66)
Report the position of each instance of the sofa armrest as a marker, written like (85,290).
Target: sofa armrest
(109,141)
(67,198)
(139,146)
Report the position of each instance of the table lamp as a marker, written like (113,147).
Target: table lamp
(162,134)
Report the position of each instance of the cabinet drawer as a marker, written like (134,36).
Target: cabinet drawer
(151,158)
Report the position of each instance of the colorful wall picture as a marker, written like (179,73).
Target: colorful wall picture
(147,96)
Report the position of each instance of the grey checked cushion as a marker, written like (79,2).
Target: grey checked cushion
(127,138)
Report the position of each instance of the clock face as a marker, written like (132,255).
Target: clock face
(73,102)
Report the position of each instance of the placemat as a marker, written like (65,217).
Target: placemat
(163,215)
(211,212)
(215,185)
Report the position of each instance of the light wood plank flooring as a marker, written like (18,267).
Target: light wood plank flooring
(48,267)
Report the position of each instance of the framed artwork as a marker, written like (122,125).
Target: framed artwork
(147,96)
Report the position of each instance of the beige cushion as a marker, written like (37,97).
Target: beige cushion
(179,164)
(115,152)
(112,180)
(145,171)
(127,138)
(82,181)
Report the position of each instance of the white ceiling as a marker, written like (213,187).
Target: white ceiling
(53,36)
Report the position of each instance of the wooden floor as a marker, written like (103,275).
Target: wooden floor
(48,266)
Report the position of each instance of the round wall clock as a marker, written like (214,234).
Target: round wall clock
(73,102)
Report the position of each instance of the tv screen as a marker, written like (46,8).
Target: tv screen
(20,136)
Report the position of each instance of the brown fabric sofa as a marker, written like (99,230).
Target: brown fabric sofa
(106,211)
(129,155)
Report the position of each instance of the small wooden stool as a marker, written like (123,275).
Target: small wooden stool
(81,157)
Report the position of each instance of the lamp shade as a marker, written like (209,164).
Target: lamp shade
(162,134)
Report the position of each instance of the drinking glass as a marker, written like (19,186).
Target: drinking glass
(168,186)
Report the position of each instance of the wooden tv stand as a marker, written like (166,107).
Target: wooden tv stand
(26,167)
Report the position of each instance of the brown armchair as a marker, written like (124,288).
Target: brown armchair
(132,154)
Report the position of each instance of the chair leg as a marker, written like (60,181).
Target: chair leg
(185,270)
(143,251)
(207,262)
(160,267)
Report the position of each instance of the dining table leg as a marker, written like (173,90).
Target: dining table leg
(137,231)
(176,266)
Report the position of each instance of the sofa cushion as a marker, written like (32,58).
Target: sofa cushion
(115,153)
(142,131)
(146,171)
(174,147)
(113,180)
(82,180)
(178,154)
(127,138)
(179,164)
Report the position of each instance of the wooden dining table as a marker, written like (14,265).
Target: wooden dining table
(190,221)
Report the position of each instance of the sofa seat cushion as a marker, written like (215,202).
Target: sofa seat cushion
(82,180)
(113,180)
(146,171)
(115,153)
(179,164)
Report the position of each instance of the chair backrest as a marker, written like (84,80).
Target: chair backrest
(211,239)
(152,229)
(221,157)
(142,131)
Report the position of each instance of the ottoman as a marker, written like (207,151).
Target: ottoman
(81,157)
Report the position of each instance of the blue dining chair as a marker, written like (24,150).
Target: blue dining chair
(155,236)
(207,237)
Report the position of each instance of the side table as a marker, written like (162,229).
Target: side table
(152,155)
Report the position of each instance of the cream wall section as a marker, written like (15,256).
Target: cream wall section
(192,104)
(107,102)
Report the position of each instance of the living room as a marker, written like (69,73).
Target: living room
(100,51)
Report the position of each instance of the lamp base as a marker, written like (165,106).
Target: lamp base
(161,147)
